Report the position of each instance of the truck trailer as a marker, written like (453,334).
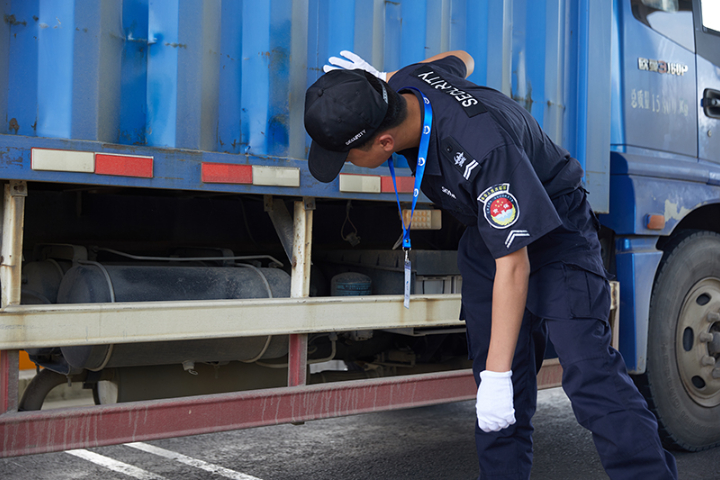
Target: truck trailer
(164,244)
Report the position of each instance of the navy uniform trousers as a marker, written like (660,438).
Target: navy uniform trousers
(604,398)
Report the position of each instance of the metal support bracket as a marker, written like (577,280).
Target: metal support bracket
(9,377)
(282,221)
(13,213)
(300,286)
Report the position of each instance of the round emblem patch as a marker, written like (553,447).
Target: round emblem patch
(501,210)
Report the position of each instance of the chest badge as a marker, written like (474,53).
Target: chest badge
(499,206)
(447,191)
(459,158)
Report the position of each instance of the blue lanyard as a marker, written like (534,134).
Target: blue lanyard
(419,170)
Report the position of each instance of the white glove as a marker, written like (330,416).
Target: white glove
(494,405)
(353,62)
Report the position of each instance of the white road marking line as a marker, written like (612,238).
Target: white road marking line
(114,465)
(209,467)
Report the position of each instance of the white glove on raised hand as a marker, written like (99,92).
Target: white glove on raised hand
(352,62)
(494,405)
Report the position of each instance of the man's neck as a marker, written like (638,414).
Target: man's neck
(409,132)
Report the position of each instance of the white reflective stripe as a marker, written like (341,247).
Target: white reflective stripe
(469,168)
(62,160)
(114,465)
(193,462)
(360,183)
(125,155)
(276,176)
(514,234)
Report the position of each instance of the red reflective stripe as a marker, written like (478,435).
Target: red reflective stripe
(24,433)
(124,166)
(226,173)
(404,184)
(43,431)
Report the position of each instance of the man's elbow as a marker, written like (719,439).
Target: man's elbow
(468,60)
(517,264)
(521,269)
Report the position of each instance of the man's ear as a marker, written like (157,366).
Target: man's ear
(387,142)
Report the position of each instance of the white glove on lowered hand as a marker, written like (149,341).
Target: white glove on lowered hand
(494,405)
(352,62)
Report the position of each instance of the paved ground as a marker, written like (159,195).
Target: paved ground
(422,443)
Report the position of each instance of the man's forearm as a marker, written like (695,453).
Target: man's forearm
(461,54)
(509,295)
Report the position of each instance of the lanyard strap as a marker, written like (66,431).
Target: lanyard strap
(419,170)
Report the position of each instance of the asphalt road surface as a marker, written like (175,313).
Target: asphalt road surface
(422,443)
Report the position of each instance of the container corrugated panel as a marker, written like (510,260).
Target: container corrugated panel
(230,76)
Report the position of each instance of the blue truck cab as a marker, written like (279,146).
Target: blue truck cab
(663,207)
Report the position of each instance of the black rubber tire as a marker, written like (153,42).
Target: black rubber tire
(686,278)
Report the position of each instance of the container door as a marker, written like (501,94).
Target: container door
(658,73)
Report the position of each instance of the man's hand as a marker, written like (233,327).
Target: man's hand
(494,405)
(352,62)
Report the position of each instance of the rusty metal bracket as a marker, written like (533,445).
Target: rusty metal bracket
(309,203)
(282,221)
(13,211)
(300,286)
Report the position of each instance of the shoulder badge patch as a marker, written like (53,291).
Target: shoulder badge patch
(459,158)
(515,234)
(500,206)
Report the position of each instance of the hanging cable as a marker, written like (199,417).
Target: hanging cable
(274,261)
(352,238)
(270,295)
(105,274)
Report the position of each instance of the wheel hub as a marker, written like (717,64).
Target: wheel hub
(714,344)
(698,342)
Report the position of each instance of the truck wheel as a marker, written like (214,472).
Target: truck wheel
(682,381)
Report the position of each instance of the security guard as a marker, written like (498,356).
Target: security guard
(529,255)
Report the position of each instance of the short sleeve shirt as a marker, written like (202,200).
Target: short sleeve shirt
(489,163)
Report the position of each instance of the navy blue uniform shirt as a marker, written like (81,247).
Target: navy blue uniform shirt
(489,163)
(491,166)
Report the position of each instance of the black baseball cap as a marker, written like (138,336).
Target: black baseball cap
(342,111)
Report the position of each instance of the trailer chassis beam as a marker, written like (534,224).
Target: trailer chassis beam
(25,433)
(38,326)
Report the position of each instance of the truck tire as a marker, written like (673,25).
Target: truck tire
(682,381)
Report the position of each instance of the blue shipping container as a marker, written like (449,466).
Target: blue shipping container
(190,81)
